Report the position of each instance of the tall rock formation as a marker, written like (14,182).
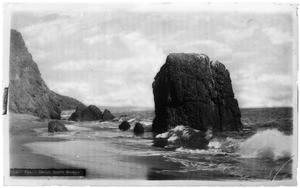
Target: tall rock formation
(192,91)
(28,92)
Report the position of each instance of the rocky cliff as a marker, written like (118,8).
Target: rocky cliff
(191,90)
(28,92)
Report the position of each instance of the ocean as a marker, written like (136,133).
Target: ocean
(262,151)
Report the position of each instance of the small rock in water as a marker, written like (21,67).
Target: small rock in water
(56,126)
(55,115)
(124,126)
(91,113)
(183,136)
(138,128)
(76,115)
(107,115)
(160,142)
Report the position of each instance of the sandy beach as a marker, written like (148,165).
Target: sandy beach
(107,153)
(21,133)
(32,147)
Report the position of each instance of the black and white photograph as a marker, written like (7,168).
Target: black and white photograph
(111,93)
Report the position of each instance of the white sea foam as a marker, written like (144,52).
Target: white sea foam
(146,123)
(267,144)
(77,128)
(270,144)
(227,145)
(201,151)
(65,114)
(131,120)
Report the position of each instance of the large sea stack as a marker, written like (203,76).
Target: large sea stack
(28,92)
(191,90)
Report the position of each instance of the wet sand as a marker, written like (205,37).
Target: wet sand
(103,160)
(100,158)
(108,153)
(21,133)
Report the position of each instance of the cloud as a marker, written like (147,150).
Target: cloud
(74,89)
(47,32)
(265,96)
(109,57)
(74,65)
(114,82)
(234,35)
(277,36)
(98,39)
(212,48)
(265,90)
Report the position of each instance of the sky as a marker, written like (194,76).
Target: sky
(109,54)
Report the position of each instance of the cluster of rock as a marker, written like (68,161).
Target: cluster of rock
(28,93)
(138,127)
(90,113)
(183,136)
(191,90)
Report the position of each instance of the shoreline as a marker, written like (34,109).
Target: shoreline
(26,151)
(110,154)
(21,156)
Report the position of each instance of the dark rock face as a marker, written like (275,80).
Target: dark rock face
(160,142)
(190,90)
(55,116)
(56,126)
(107,115)
(28,93)
(91,113)
(76,116)
(124,126)
(138,128)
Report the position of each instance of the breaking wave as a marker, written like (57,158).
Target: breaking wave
(201,151)
(269,144)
